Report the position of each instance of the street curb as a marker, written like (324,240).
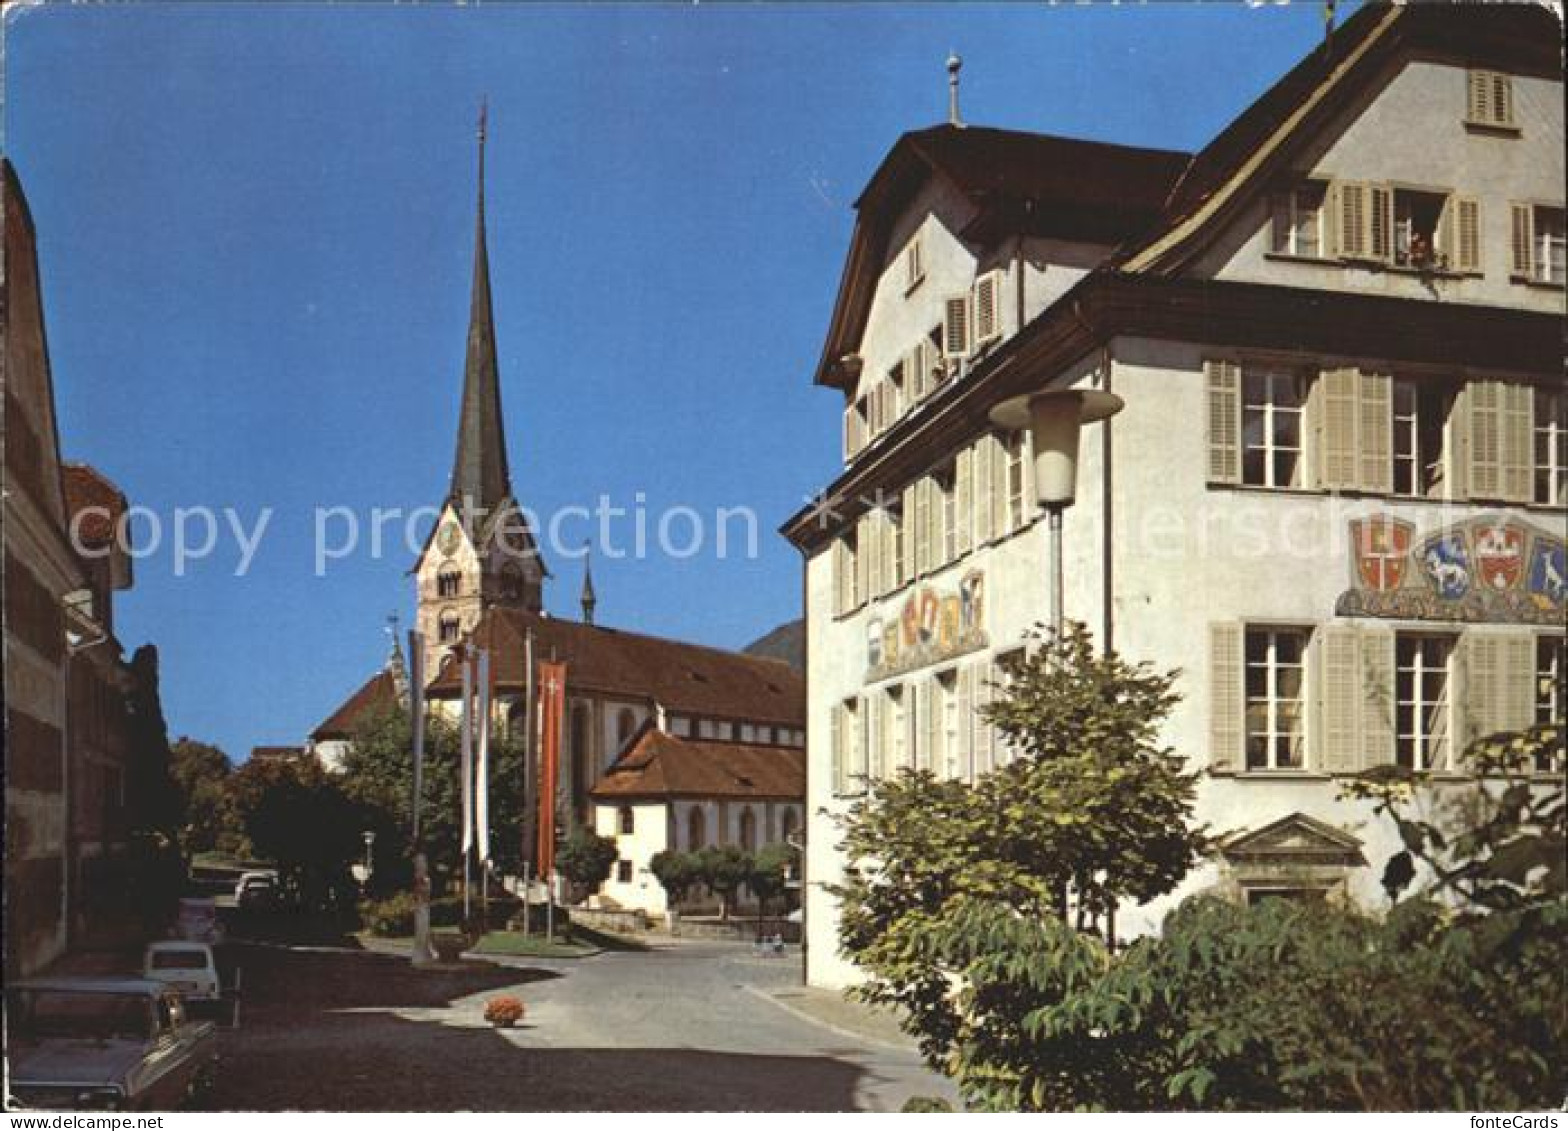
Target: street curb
(802,1015)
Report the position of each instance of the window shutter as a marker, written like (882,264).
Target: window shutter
(1522,259)
(836,747)
(955,328)
(922,521)
(1333,214)
(1001,519)
(1351,219)
(1338,450)
(1337,743)
(1517,425)
(1482,700)
(987,308)
(840,580)
(911,532)
(919,750)
(1468,238)
(1375,433)
(962,757)
(862,560)
(874,737)
(1502,99)
(1224,392)
(935,710)
(862,750)
(1225,697)
(1484,409)
(1380,222)
(1377,697)
(1519,681)
(980,470)
(1480,102)
(963,505)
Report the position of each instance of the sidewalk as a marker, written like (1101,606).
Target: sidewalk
(832,1010)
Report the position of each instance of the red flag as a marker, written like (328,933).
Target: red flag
(552,711)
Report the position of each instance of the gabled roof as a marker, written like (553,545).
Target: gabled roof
(376,694)
(659,765)
(686,678)
(1260,142)
(1033,184)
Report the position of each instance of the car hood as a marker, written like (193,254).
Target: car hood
(74,1062)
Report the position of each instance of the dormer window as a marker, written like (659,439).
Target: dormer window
(914,264)
(1491,100)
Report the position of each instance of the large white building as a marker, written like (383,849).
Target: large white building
(1334,499)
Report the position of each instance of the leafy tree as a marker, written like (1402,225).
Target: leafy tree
(724,868)
(585,858)
(770,867)
(1092,811)
(378,774)
(296,814)
(677,872)
(201,775)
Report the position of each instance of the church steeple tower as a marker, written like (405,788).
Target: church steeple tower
(479,471)
(481,554)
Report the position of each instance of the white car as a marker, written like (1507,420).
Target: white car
(185,966)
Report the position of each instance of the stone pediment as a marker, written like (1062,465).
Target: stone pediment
(1296,839)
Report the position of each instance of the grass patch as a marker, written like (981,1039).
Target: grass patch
(518,945)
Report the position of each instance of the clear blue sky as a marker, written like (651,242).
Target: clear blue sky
(255,230)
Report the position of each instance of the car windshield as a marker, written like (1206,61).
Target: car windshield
(179,960)
(78,1015)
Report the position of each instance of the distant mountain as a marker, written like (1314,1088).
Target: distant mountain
(787,642)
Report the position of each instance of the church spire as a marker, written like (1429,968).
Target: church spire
(479,472)
(589,599)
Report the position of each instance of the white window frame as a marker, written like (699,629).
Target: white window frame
(1269,409)
(914,260)
(1272,701)
(1551,690)
(1291,214)
(1419,746)
(1549,456)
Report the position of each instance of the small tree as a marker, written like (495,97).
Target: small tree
(1092,812)
(295,814)
(724,869)
(769,868)
(586,859)
(677,873)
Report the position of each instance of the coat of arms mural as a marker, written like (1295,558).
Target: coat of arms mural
(1490,569)
(930,626)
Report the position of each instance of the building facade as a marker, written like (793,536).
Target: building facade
(1334,498)
(68,745)
(668,793)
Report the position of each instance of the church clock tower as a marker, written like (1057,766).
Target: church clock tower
(481,553)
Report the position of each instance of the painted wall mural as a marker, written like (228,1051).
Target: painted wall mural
(1491,569)
(931,626)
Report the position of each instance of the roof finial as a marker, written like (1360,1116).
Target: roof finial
(954,65)
(589,599)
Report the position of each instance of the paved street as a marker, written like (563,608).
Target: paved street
(680,1028)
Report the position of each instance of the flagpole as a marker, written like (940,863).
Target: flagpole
(482,788)
(530,752)
(467,765)
(416,649)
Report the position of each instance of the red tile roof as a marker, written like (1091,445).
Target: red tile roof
(378,693)
(86,486)
(685,678)
(662,765)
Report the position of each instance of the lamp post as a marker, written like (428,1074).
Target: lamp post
(370,839)
(1055,419)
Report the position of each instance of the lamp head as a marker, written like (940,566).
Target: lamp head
(1054,420)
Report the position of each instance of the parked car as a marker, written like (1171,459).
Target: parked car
(256,889)
(197,921)
(103,1043)
(186,966)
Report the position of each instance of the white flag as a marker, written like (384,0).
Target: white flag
(482,768)
(467,760)
(416,688)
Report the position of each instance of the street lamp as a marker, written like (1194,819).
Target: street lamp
(370,839)
(1055,418)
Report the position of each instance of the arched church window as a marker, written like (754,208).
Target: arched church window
(449,628)
(448,581)
(579,756)
(696,828)
(748,829)
(625,725)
